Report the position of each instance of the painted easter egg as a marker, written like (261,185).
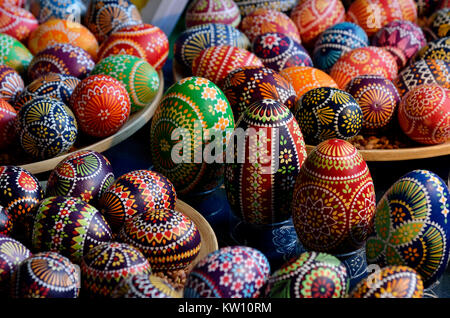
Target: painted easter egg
(14,54)
(17,22)
(260,190)
(12,253)
(335,42)
(265,20)
(5,222)
(192,41)
(439,23)
(305,78)
(167,238)
(424,114)
(134,193)
(46,128)
(311,275)
(7,121)
(378,98)
(61,59)
(145,41)
(11,84)
(423,72)
(106,265)
(105,16)
(323,113)
(101,105)
(435,50)
(56,31)
(411,226)
(312,17)
(278,51)
(45,10)
(68,226)
(334,217)
(17,3)
(192,104)
(46,275)
(246,85)
(390,282)
(144,286)
(232,271)
(248,6)
(369,60)
(209,11)
(216,62)
(51,85)
(139,78)
(84,174)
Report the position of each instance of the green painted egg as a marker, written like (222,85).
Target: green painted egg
(14,54)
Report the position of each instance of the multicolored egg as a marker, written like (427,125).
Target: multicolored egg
(17,3)
(12,253)
(136,192)
(167,238)
(411,226)
(7,121)
(46,275)
(58,31)
(435,50)
(424,114)
(323,113)
(14,54)
(264,20)
(105,266)
(61,59)
(305,78)
(139,78)
(11,84)
(230,272)
(144,286)
(248,6)
(208,11)
(312,17)
(192,104)
(5,222)
(259,186)
(17,22)
(369,60)
(334,199)
(278,51)
(439,23)
(192,41)
(46,128)
(311,275)
(335,42)
(84,174)
(378,98)
(390,282)
(216,62)
(45,10)
(145,41)
(101,105)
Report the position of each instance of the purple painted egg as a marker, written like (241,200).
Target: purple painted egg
(62,59)
(5,222)
(230,272)
(145,286)
(84,174)
(279,51)
(11,84)
(12,253)
(68,226)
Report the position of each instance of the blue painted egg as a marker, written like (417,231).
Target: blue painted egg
(412,227)
(435,50)
(335,41)
(45,10)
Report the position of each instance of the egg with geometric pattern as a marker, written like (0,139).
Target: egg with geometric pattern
(435,50)
(45,10)
(206,11)
(17,22)
(248,6)
(439,23)
(14,54)
(144,286)
(12,253)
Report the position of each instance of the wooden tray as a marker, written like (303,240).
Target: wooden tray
(134,123)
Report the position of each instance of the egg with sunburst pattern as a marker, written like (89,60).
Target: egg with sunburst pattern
(11,84)
(12,253)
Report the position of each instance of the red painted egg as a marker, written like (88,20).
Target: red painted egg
(17,22)
(334,199)
(7,118)
(424,114)
(145,41)
(212,11)
(11,83)
(101,105)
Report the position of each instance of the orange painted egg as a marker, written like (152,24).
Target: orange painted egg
(7,118)
(212,11)
(17,22)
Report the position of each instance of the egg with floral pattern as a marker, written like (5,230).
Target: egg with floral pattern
(7,119)
(435,50)
(11,84)
(145,286)
(12,253)
(17,22)
(248,6)
(45,10)
(14,54)
(207,11)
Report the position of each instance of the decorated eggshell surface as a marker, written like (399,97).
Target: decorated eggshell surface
(278,51)
(46,128)
(439,23)
(335,41)
(167,238)
(210,11)
(12,253)
(17,22)
(145,41)
(192,41)
(334,217)
(311,275)
(248,6)
(435,50)
(105,266)
(323,113)
(14,54)
(390,282)
(45,10)
(139,78)
(230,272)
(200,104)
(411,226)
(11,84)
(46,275)
(145,286)
(260,190)
(134,193)
(61,59)
(5,222)
(7,120)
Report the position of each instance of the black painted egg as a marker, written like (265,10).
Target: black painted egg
(145,286)
(12,253)
(5,222)
(435,50)
(439,23)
